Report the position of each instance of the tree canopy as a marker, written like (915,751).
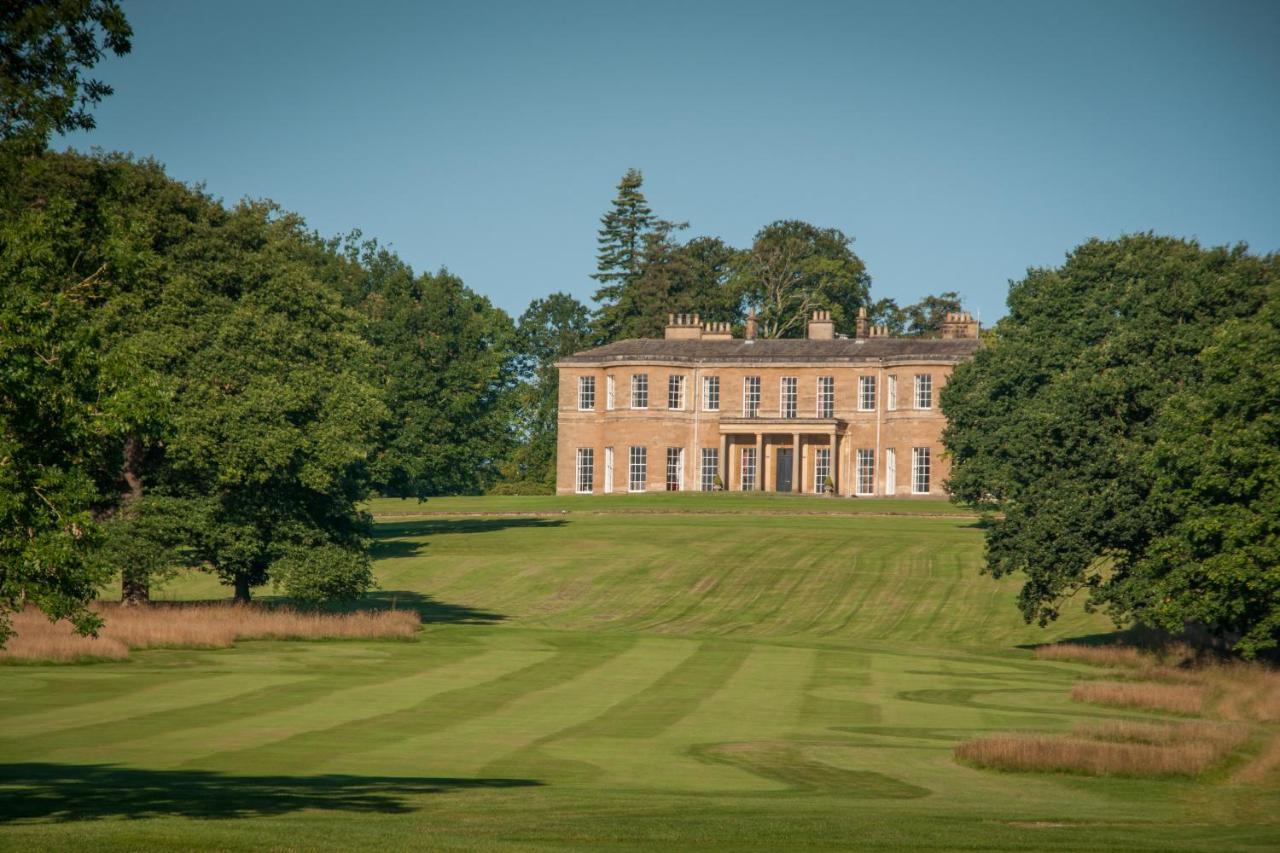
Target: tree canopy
(1055,420)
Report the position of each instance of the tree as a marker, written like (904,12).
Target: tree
(548,330)
(793,268)
(621,240)
(1215,469)
(45,46)
(920,319)
(1051,422)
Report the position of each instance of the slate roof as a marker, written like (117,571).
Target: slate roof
(797,350)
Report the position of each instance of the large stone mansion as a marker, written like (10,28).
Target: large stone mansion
(703,410)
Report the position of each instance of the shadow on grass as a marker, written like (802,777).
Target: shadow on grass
(439,526)
(431,610)
(62,792)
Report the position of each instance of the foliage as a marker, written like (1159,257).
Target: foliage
(45,45)
(549,329)
(1052,422)
(622,231)
(1215,467)
(920,319)
(793,268)
(445,358)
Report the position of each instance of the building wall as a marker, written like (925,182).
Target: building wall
(693,428)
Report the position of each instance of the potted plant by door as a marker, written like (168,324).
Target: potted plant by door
(717,484)
(828,486)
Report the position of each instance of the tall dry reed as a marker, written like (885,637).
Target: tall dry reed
(192,626)
(1149,695)
(1048,753)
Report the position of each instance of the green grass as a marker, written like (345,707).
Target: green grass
(717,672)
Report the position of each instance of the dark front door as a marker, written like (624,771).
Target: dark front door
(783,480)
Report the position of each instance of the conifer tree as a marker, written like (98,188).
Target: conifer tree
(621,243)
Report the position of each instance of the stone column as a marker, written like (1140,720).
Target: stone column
(795,462)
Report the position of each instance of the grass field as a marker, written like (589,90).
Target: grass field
(675,672)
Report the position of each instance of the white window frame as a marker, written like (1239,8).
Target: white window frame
(675,392)
(864,472)
(584,471)
(788,397)
(675,466)
(891,394)
(890,472)
(640,390)
(866,393)
(751,397)
(586,393)
(821,468)
(709,462)
(826,395)
(637,469)
(610,393)
(608,470)
(747,469)
(924,391)
(711,393)
(921,459)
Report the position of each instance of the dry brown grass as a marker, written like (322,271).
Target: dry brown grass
(1125,656)
(191,626)
(1148,695)
(1091,757)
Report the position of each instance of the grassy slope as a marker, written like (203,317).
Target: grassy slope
(688,680)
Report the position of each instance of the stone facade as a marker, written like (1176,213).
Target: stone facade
(862,412)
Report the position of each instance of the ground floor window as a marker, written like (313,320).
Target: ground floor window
(920,470)
(608,470)
(821,469)
(639,469)
(891,471)
(586,470)
(710,468)
(748,469)
(866,479)
(675,469)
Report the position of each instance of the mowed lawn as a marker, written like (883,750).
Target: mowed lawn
(683,672)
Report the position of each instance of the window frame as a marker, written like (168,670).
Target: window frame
(867,393)
(586,389)
(640,390)
(610,392)
(675,465)
(711,393)
(919,455)
(751,396)
(821,468)
(891,393)
(675,392)
(788,401)
(826,397)
(924,391)
(748,483)
(707,474)
(585,464)
(864,472)
(637,461)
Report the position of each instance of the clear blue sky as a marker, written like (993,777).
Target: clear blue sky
(959,143)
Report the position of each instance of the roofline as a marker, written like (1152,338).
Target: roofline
(772,361)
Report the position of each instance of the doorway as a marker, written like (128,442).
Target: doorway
(782,482)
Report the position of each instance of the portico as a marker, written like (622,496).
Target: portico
(782,458)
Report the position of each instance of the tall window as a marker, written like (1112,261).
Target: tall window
(586,470)
(675,469)
(711,393)
(751,397)
(586,392)
(892,402)
(608,470)
(920,470)
(639,469)
(891,471)
(748,469)
(924,391)
(675,391)
(821,469)
(639,390)
(866,480)
(611,387)
(866,393)
(787,401)
(826,396)
(710,468)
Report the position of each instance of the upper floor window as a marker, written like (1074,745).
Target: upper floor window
(610,392)
(866,393)
(787,400)
(675,391)
(711,393)
(924,391)
(639,390)
(586,392)
(891,394)
(751,396)
(826,396)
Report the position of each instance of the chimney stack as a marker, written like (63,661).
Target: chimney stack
(751,325)
(861,327)
(820,326)
(683,327)
(717,332)
(959,324)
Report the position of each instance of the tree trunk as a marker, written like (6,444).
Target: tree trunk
(242,589)
(135,586)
